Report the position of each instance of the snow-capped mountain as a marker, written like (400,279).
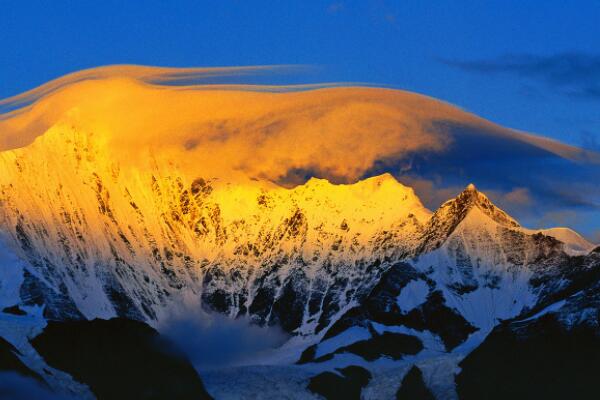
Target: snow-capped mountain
(550,352)
(359,275)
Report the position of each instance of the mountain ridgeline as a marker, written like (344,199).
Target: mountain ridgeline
(360,276)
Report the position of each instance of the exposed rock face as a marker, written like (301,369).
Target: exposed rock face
(381,307)
(447,218)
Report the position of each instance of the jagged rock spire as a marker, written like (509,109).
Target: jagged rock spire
(450,214)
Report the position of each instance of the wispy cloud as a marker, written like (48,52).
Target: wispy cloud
(158,76)
(215,341)
(573,74)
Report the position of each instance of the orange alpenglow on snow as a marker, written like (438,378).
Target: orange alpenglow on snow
(131,183)
(117,144)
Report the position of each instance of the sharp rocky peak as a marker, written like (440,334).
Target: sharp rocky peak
(471,198)
(450,214)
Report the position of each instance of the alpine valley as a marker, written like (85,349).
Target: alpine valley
(116,216)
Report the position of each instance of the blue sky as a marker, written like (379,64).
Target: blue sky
(413,45)
(529,65)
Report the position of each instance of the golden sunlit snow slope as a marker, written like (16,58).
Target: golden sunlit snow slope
(82,215)
(75,210)
(122,193)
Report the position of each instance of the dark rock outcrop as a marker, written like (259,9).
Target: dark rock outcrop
(347,386)
(10,362)
(119,359)
(381,306)
(540,359)
(413,387)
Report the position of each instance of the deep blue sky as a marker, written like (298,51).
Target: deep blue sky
(531,65)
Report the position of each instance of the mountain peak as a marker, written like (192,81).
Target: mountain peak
(385,177)
(469,198)
(450,214)
(376,180)
(376,196)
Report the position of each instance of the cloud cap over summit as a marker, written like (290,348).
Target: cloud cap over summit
(286,134)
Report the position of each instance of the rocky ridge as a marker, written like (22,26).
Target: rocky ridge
(344,269)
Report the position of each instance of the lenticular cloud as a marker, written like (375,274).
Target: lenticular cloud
(208,123)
